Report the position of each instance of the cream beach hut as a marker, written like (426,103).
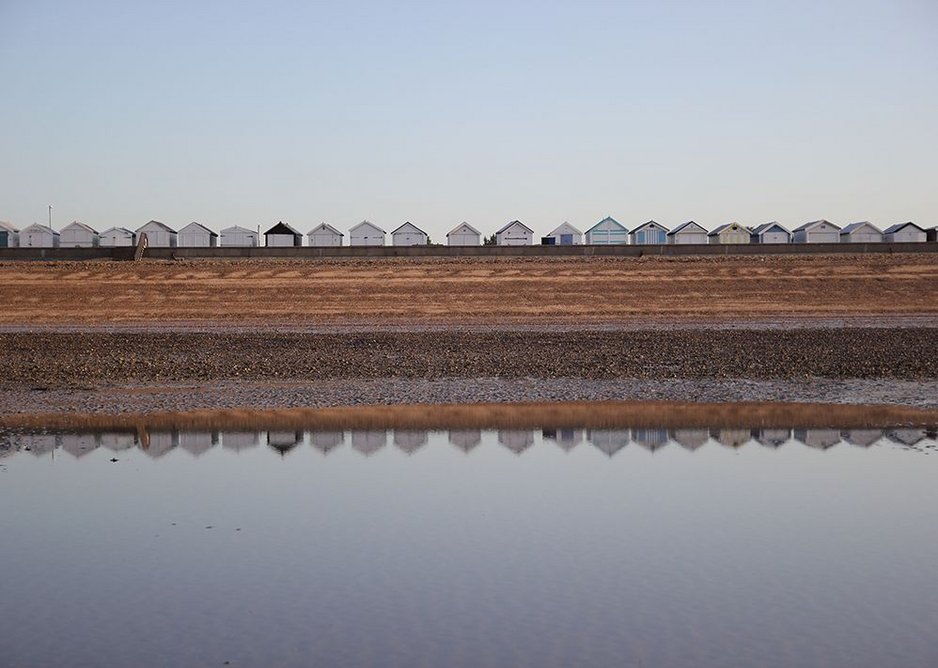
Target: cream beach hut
(324,235)
(649,233)
(158,234)
(863,232)
(514,233)
(770,233)
(730,233)
(408,234)
(904,233)
(687,233)
(282,235)
(464,234)
(9,235)
(238,236)
(816,232)
(195,235)
(78,235)
(566,235)
(39,236)
(117,236)
(366,234)
(607,232)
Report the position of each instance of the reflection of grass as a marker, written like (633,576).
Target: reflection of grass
(606,414)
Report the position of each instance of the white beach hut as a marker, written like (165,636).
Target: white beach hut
(324,235)
(730,233)
(862,232)
(78,235)
(9,235)
(464,234)
(904,232)
(158,234)
(196,235)
(770,233)
(117,236)
(607,232)
(465,439)
(514,233)
(282,235)
(816,232)
(649,233)
(366,234)
(238,236)
(565,235)
(39,236)
(408,234)
(687,233)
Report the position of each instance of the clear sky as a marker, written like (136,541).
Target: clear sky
(437,112)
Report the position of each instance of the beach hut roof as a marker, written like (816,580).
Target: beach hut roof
(815,223)
(650,223)
(765,227)
(564,227)
(515,222)
(327,227)
(853,227)
(4,225)
(608,219)
(282,228)
(81,226)
(717,230)
(197,227)
(162,226)
(40,227)
(369,224)
(684,226)
(411,226)
(121,230)
(463,224)
(898,226)
(237,229)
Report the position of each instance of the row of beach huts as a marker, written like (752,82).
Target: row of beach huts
(605,232)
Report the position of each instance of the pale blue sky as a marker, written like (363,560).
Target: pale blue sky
(252,112)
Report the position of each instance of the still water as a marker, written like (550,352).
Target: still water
(573,547)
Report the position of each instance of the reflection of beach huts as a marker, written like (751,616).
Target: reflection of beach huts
(650,438)
(607,232)
(731,438)
(687,233)
(514,233)
(408,234)
(40,444)
(861,437)
(196,235)
(324,441)
(609,441)
(565,438)
(816,232)
(905,436)
(369,442)
(730,233)
(197,442)
(772,438)
(282,235)
(690,439)
(158,443)
(9,235)
(366,234)
(516,440)
(117,440)
(821,439)
(159,235)
(240,440)
(410,440)
(38,236)
(770,233)
(324,236)
(465,439)
(284,441)
(117,237)
(565,235)
(79,445)
(904,233)
(78,235)
(464,234)
(862,232)
(649,233)
(238,236)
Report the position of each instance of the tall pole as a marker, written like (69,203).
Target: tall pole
(50,216)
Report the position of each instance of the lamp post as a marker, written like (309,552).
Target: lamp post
(50,216)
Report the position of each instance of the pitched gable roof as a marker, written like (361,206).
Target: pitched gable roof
(718,230)
(898,226)
(515,222)
(564,226)
(162,226)
(237,229)
(412,226)
(853,227)
(327,227)
(758,230)
(121,230)
(815,223)
(7,226)
(369,223)
(80,226)
(282,228)
(40,228)
(197,227)
(683,226)
(650,223)
(461,225)
(608,219)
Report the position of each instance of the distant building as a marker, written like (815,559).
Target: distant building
(282,235)
(816,232)
(324,236)
(770,233)
(117,236)
(195,235)
(862,232)
(9,235)
(366,234)
(566,235)
(78,235)
(464,234)
(607,232)
(39,236)
(515,233)
(649,233)
(687,233)
(932,234)
(904,233)
(158,234)
(408,234)
(238,236)
(730,233)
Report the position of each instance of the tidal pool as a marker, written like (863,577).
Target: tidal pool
(626,546)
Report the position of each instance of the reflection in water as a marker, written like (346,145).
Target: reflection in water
(156,444)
